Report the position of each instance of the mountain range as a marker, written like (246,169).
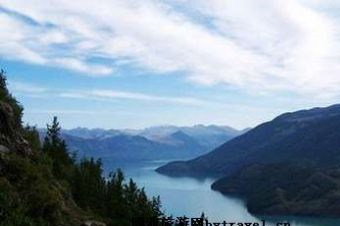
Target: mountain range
(307,135)
(154,143)
(289,165)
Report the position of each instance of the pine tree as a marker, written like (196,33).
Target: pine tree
(56,149)
(53,132)
(116,204)
(89,187)
(131,195)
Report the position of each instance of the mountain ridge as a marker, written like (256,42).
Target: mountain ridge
(154,143)
(276,140)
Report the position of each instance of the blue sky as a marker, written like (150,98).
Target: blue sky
(128,64)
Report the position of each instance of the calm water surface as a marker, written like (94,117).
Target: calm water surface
(190,197)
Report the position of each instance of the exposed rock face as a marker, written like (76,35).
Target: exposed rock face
(10,137)
(3,149)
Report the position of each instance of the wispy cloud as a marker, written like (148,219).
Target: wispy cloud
(266,46)
(35,90)
(69,112)
(27,88)
(134,96)
(38,91)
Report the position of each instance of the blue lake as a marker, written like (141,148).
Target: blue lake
(190,197)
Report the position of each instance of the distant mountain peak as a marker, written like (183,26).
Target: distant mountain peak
(159,142)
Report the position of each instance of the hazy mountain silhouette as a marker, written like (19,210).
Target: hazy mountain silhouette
(161,142)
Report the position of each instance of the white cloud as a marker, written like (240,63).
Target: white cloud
(34,44)
(261,46)
(75,64)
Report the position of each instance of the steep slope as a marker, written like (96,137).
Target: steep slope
(308,135)
(29,194)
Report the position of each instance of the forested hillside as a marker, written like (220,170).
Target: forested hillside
(42,184)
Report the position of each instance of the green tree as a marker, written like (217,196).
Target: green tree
(56,149)
(115,202)
(89,187)
(31,134)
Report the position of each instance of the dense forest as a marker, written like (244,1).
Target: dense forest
(45,185)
